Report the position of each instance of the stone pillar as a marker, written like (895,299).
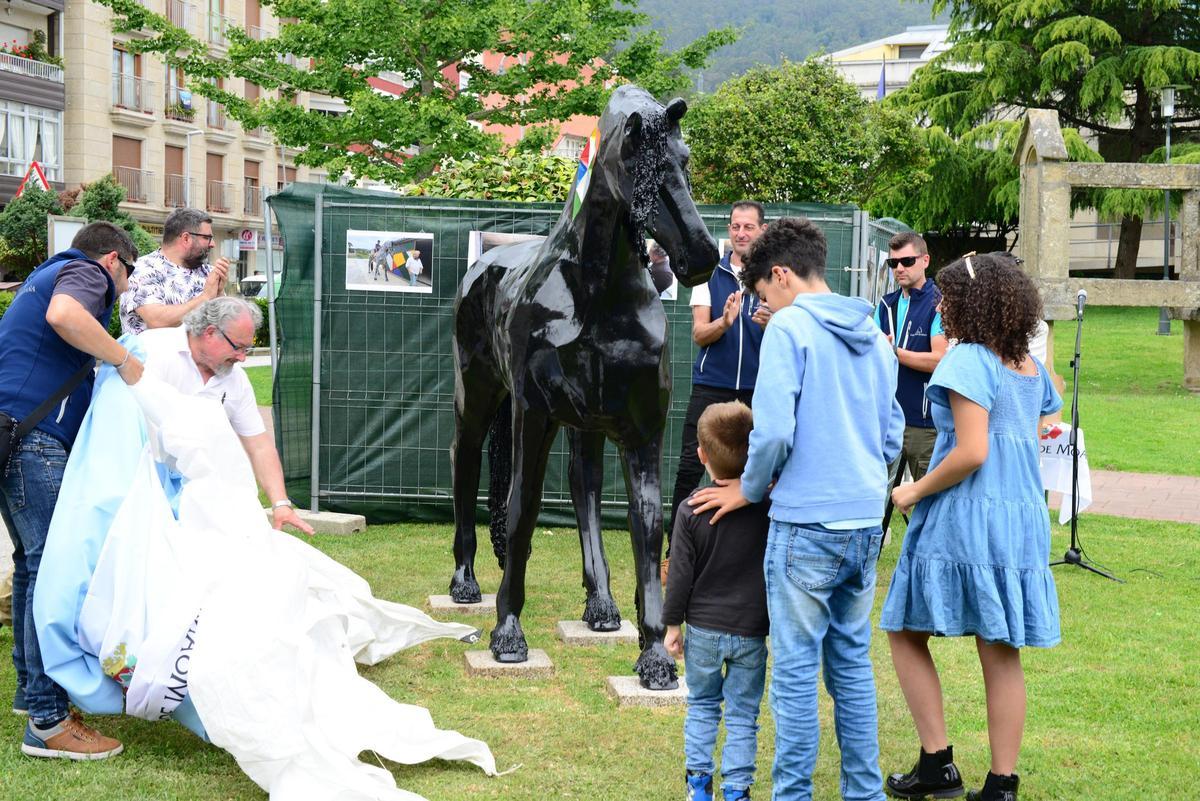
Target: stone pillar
(1191,355)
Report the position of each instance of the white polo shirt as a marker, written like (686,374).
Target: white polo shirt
(169,359)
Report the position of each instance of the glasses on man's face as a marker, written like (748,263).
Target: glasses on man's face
(243,349)
(209,237)
(128,267)
(907,261)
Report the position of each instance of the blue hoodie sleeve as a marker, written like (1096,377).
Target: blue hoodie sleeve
(894,441)
(774,408)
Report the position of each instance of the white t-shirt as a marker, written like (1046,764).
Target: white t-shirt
(169,359)
(414,265)
(700,294)
(1037,342)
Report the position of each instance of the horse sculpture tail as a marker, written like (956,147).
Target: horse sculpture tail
(500,477)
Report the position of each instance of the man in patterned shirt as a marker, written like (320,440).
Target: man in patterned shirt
(176,278)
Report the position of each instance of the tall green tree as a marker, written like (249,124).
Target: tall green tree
(563,57)
(23,231)
(1101,64)
(798,132)
(101,200)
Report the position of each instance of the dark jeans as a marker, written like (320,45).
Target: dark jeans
(28,493)
(687,478)
(915,454)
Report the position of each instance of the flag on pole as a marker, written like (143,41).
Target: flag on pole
(882,90)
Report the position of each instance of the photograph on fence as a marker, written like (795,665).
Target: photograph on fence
(480,242)
(389,261)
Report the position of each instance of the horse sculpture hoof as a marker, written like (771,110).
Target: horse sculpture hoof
(601,613)
(656,669)
(465,590)
(508,642)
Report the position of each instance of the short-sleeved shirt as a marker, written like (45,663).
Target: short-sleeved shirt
(169,359)
(414,265)
(86,283)
(159,281)
(700,294)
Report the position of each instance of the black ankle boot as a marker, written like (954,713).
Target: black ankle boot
(934,776)
(996,788)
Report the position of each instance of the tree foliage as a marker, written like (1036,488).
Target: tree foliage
(563,59)
(798,132)
(527,177)
(1100,65)
(23,231)
(101,200)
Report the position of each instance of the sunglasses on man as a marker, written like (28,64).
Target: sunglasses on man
(127,265)
(907,261)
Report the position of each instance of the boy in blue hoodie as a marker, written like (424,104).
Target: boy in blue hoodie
(825,428)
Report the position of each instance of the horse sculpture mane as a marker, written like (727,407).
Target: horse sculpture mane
(570,333)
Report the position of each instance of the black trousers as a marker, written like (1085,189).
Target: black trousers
(687,478)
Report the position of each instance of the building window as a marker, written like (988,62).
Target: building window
(912,51)
(569,146)
(127,168)
(28,133)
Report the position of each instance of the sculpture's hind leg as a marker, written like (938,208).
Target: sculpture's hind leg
(587,480)
(473,412)
(533,434)
(655,667)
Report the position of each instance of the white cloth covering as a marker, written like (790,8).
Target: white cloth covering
(264,628)
(1055,460)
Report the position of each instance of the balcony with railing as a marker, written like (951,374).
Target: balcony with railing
(254,199)
(178,104)
(256,32)
(30,68)
(177,194)
(220,197)
(179,13)
(218,29)
(131,93)
(136,183)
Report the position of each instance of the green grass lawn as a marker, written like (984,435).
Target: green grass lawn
(1113,712)
(1134,411)
(260,379)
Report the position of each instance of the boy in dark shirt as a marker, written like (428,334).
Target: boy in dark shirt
(716,584)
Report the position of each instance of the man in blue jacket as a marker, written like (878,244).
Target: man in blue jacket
(727,324)
(826,425)
(912,323)
(56,324)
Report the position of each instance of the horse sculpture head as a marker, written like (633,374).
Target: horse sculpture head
(643,161)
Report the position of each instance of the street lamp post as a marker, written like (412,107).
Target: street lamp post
(187,166)
(1168,111)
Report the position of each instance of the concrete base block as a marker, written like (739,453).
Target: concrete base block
(482,663)
(628,691)
(441,604)
(576,632)
(329,522)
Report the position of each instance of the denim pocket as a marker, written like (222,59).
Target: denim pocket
(874,548)
(701,648)
(815,555)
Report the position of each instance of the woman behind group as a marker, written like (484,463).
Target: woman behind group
(976,555)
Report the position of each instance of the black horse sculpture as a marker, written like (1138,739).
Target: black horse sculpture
(571,332)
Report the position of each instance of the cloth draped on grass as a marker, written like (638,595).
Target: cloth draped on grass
(191,602)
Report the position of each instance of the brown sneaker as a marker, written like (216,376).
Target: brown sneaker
(70,738)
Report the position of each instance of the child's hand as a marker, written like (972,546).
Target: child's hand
(725,497)
(904,498)
(674,642)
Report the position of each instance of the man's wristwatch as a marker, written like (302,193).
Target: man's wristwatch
(284,502)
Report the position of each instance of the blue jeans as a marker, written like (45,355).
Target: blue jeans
(28,493)
(744,660)
(820,587)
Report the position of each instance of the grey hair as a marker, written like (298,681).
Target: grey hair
(182,220)
(220,312)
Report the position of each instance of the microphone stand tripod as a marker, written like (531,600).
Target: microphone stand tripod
(1073,555)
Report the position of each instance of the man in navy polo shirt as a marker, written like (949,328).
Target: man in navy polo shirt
(56,324)
(910,318)
(727,324)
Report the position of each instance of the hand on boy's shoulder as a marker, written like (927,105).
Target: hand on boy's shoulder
(725,497)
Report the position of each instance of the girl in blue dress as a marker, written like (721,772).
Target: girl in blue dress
(975,560)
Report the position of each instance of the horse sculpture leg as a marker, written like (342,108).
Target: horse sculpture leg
(533,434)
(587,480)
(466,453)
(655,667)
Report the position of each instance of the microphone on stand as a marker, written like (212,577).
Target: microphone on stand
(1080,299)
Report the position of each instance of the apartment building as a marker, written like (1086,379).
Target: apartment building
(132,115)
(32,92)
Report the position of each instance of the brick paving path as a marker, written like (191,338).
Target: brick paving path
(1146,496)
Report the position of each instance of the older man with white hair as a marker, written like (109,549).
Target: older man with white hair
(203,357)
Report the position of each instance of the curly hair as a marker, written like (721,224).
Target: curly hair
(792,242)
(999,307)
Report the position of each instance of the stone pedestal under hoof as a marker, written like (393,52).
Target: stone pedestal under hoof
(482,663)
(629,692)
(576,632)
(441,604)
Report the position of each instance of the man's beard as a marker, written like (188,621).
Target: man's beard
(222,369)
(194,262)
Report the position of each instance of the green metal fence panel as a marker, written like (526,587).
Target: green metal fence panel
(384,363)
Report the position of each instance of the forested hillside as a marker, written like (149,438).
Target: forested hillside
(774,29)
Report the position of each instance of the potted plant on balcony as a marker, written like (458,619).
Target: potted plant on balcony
(34,51)
(178,111)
